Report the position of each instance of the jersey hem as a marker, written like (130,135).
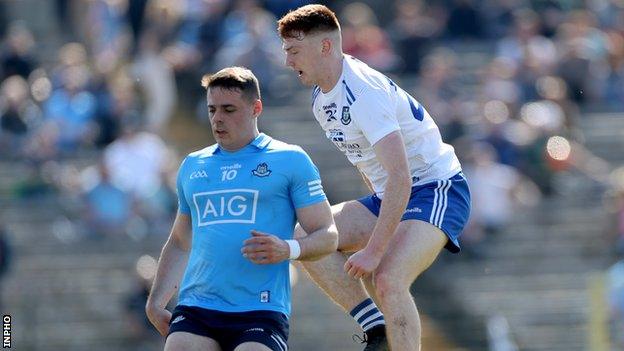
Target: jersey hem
(236,308)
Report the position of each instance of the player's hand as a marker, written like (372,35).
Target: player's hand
(263,248)
(159,317)
(361,264)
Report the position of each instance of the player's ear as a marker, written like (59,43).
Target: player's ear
(257,108)
(326,46)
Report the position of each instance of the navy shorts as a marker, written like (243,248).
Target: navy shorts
(231,329)
(443,203)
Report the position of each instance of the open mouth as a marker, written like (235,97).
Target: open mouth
(300,73)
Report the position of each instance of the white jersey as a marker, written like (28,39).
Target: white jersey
(364,107)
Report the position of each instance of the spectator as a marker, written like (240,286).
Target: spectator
(497,135)
(108,209)
(210,31)
(157,81)
(139,163)
(498,189)
(280,7)
(64,11)
(498,17)
(109,38)
(532,54)
(613,85)
(583,46)
(554,93)
(363,38)
(135,15)
(439,84)
(141,331)
(499,83)
(117,102)
(19,115)
(414,30)
(250,40)
(464,20)
(3,18)
(17,59)
(71,110)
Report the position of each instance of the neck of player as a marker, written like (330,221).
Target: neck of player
(243,142)
(332,73)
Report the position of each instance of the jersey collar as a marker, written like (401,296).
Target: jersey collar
(261,141)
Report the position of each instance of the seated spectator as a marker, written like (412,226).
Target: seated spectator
(497,190)
(365,39)
(156,80)
(464,20)
(19,115)
(108,209)
(414,31)
(72,110)
(139,327)
(18,58)
(250,40)
(583,46)
(140,164)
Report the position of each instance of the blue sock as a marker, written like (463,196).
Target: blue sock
(367,315)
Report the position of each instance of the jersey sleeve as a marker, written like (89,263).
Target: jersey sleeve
(374,115)
(305,187)
(183,206)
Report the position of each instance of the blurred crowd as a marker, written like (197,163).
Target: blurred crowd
(506,81)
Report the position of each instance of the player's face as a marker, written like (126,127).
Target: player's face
(232,117)
(303,57)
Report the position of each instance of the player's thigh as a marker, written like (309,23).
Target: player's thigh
(263,338)
(183,341)
(414,247)
(355,224)
(252,346)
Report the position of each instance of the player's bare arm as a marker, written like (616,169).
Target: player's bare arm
(171,266)
(390,152)
(317,220)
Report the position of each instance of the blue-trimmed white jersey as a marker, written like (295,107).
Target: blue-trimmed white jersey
(227,194)
(365,106)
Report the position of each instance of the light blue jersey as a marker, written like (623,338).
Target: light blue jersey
(227,194)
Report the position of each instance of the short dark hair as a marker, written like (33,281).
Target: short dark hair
(236,78)
(307,19)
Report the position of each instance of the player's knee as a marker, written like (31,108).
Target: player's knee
(387,287)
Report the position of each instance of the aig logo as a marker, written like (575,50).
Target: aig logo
(199,174)
(226,206)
